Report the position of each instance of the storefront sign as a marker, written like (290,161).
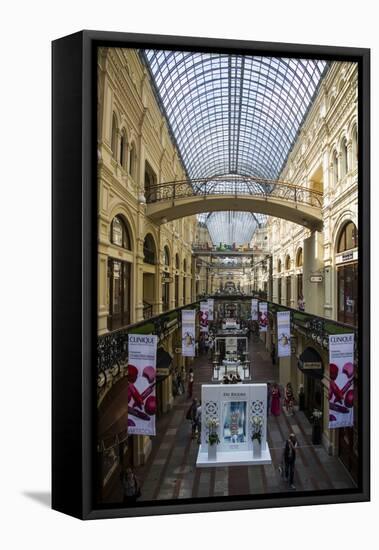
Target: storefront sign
(316,278)
(210,308)
(203,316)
(341,383)
(351,255)
(263,316)
(254,309)
(188,332)
(141,388)
(284,333)
(311,366)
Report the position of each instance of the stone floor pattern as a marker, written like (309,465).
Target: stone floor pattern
(171,472)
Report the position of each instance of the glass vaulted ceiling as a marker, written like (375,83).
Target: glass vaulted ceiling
(233,114)
(232,227)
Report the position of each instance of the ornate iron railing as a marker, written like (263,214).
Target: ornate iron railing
(236,186)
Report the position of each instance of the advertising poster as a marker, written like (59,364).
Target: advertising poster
(210,309)
(203,316)
(141,384)
(284,333)
(254,309)
(262,316)
(234,424)
(231,345)
(341,384)
(188,332)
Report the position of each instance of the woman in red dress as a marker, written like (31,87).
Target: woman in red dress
(275,400)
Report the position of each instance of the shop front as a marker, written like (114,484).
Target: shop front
(347,275)
(311,365)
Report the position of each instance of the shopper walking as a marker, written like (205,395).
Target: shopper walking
(190,383)
(191,415)
(289,459)
(131,486)
(198,422)
(275,400)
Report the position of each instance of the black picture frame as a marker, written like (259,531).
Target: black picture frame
(74,268)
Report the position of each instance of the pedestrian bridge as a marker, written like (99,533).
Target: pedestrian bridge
(281,199)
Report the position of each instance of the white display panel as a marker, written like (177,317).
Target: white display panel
(233,406)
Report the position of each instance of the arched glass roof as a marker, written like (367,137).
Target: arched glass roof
(232,227)
(233,114)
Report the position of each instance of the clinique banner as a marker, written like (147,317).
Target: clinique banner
(284,333)
(341,384)
(141,384)
(188,332)
(254,309)
(263,317)
(203,316)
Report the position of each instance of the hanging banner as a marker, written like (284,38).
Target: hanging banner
(254,309)
(262,316)
(142,405)
(203,316)
(210,308)
(188,332)
(284,333)
(341,384)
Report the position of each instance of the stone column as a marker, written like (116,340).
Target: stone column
(312,265)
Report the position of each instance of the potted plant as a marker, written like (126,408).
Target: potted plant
(256,435)
(316,429)
(213,439)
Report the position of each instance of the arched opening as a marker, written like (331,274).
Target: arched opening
(299,278)
(344,158)
(184,281)
(132,160)
(149,276)
(311,364)
(335,167)
(166,279)
(150,183)
(114,136)
(119,277)
(288,281)
(123,150)
(347,274)
(177,267)
(149,250)
(354,147)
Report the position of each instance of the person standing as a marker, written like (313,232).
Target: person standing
(190,383)
(289,398)
(198,422)
(275,400)
(289,459)
(131,487)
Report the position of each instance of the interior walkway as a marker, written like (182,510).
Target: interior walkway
(171,472)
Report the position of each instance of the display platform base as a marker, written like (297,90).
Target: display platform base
(235,458)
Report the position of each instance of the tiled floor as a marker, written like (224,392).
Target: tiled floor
(171,470)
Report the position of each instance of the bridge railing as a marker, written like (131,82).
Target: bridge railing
(234,186)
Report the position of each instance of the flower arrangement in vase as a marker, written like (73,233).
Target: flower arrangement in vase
(212,426)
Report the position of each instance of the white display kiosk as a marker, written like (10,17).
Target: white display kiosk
(233,407)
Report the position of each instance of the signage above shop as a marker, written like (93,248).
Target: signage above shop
(349,256)
(311,365)
(316,278)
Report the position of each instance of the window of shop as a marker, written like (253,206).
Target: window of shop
(166,296)
(120,235)
(184,289)
(279,291)
(150,183)
(288,291)
(123,149)
(119,285)
(288,263)
(176,290)
(300,294)
(347,277)
(132,160)
(348,238)
(149,252)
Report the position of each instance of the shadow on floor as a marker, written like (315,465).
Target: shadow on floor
(42,497)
